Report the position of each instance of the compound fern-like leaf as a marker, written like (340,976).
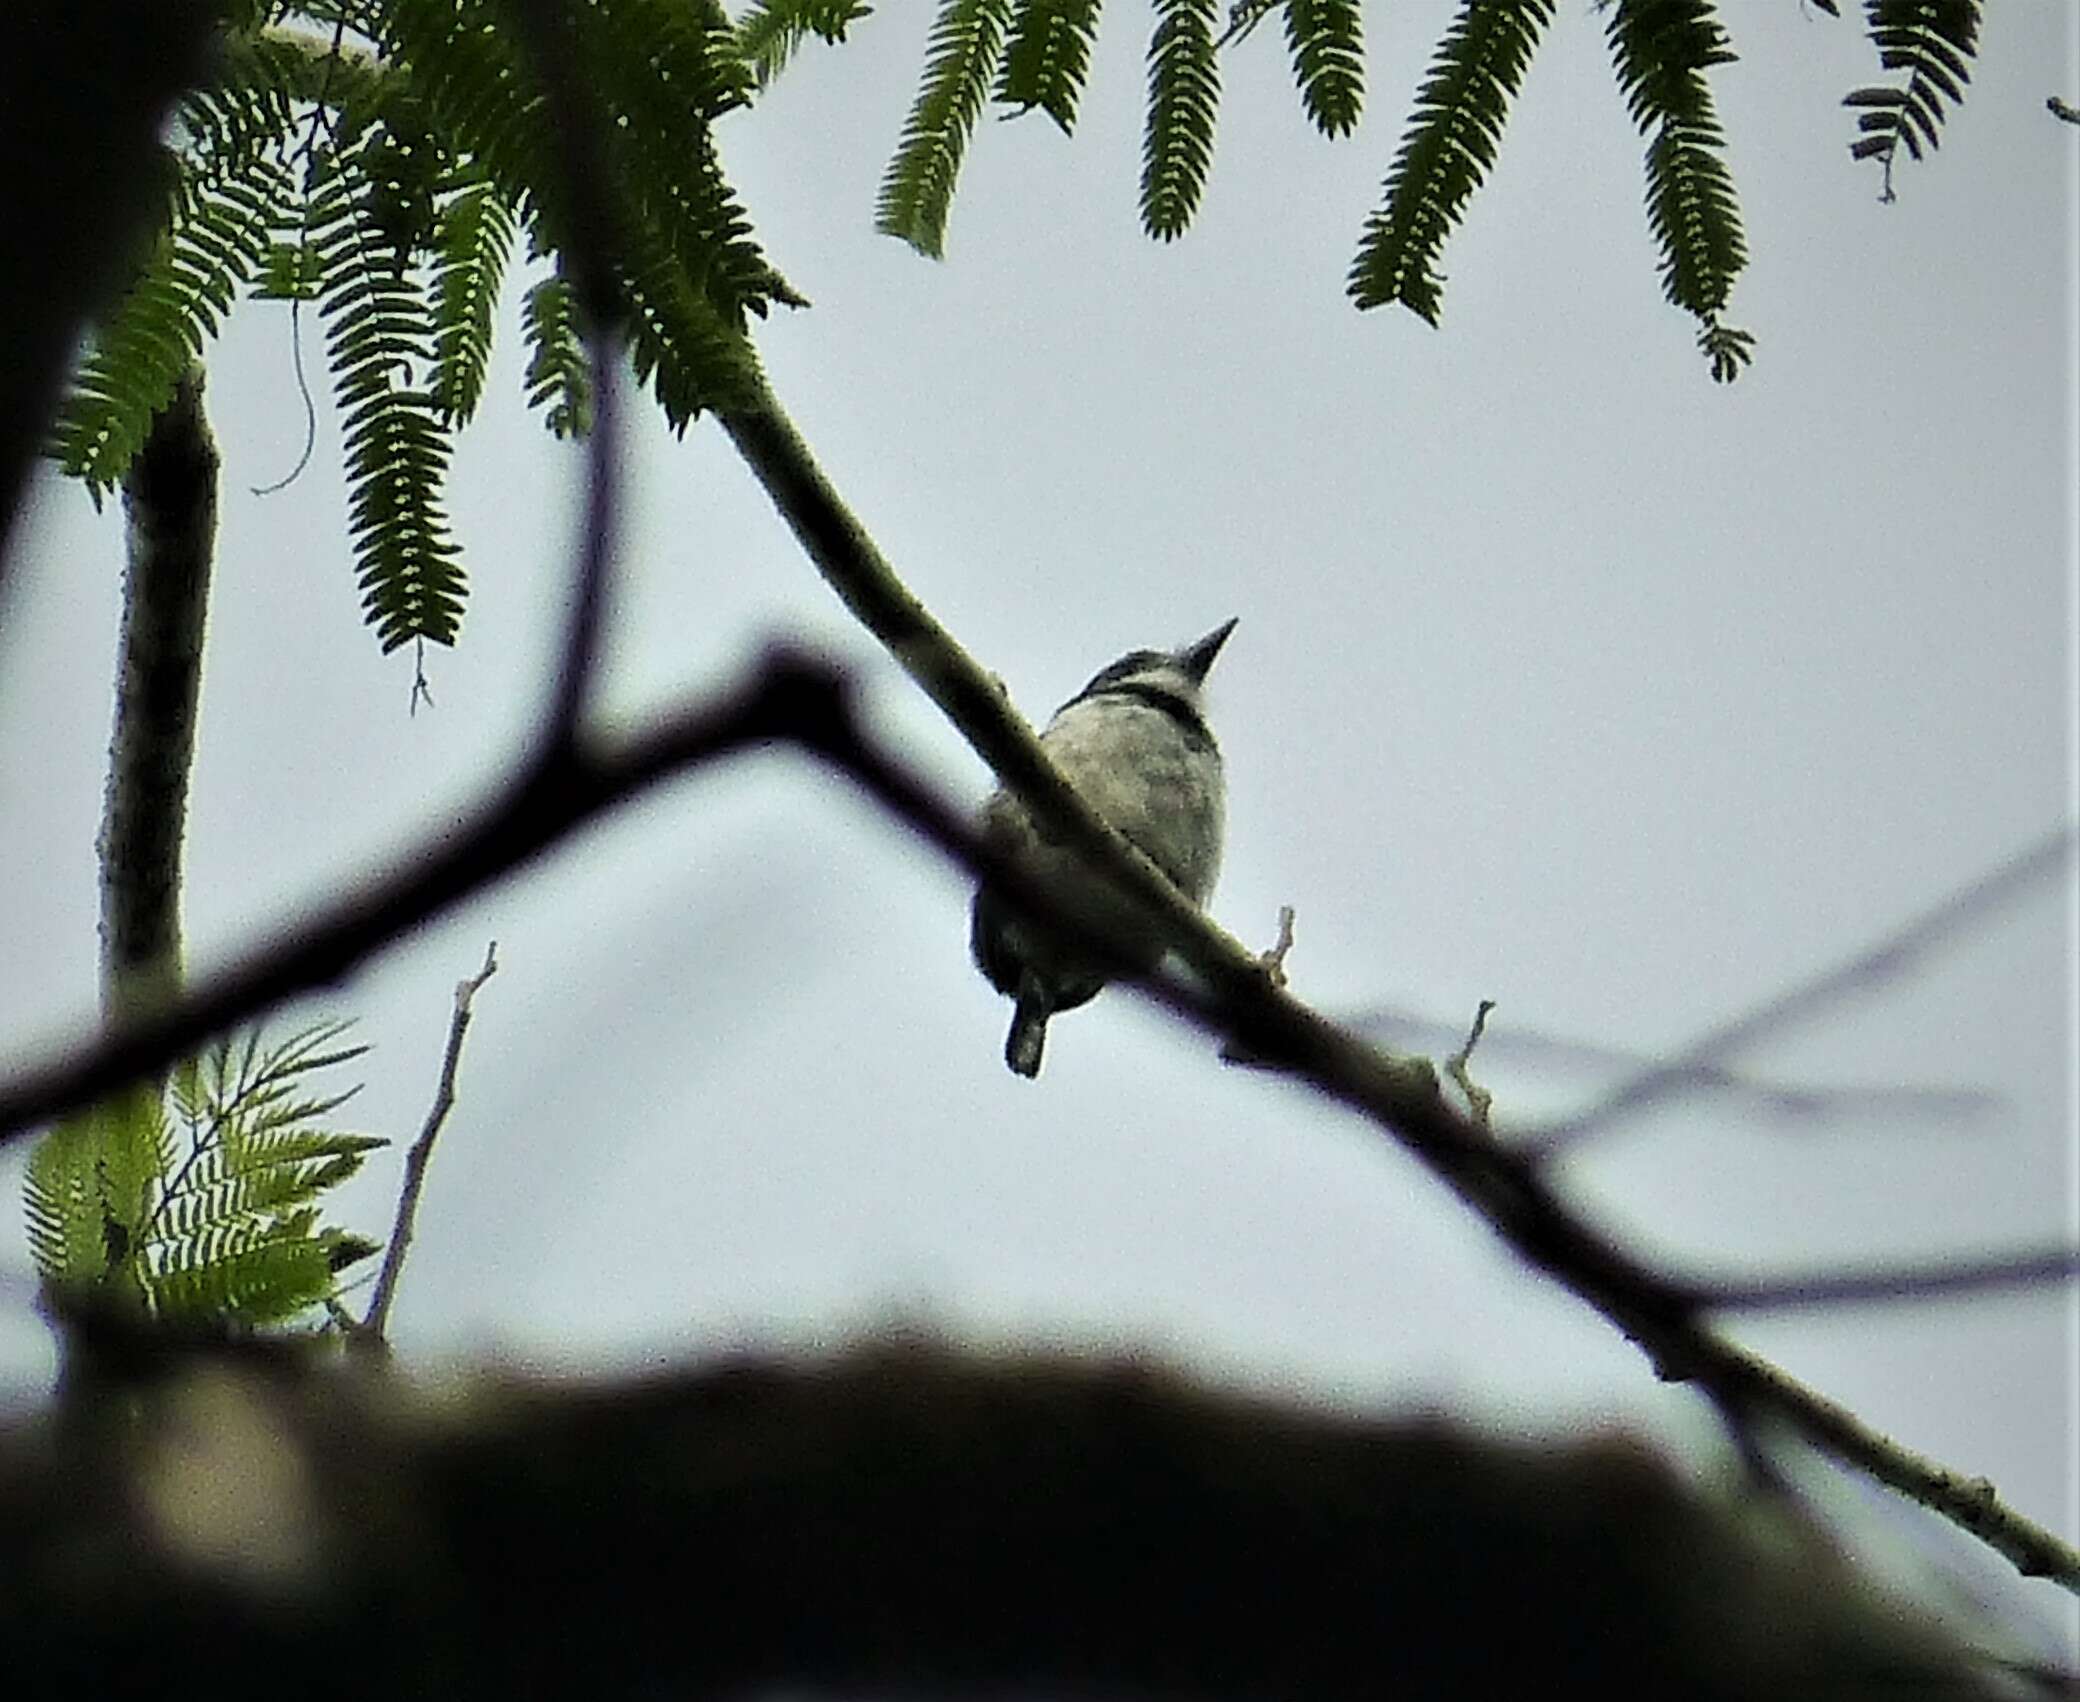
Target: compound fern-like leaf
(1934,42)
(234,1233)
(1049,58)
(473,238)
(1184,97)
(1447,151)
(559,379)
(1326,40)
(771,30)
(380,335)
(1661,50)
(679,344)
(966,41)
(89,1187)
(215,240)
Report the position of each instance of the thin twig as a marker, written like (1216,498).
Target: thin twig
(2037,1267)
(1459,1066)
(1952,918)
(1795,1102)
(373,1331)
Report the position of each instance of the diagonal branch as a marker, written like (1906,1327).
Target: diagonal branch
(1952,917)
(372,1332)
(796,700)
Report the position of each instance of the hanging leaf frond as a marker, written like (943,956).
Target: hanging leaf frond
(769,33)
(1184,98)
(473,238)
(967,40)
(679,345)
(1327,42)
(1661,50)
(559,380)
(1934,42)
(1726,349)
(1049,58)
(380,334)
(1447,151)
(215,239)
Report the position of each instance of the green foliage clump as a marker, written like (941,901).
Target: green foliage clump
(1048,59)
(199,1205)
(378,162)
(1661,51)
(770,30)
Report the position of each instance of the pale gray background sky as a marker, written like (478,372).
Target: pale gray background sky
(1565,677)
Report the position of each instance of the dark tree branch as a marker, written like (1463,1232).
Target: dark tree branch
(501,832)
(2034,1268)
(589,215)
(794,700)
(1953,917)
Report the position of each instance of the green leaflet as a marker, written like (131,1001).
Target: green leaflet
(1184,97)
(380,330)
(1661,50)
(1327,43)
(1049,58)
(89,1186)
(214,241)
(559,379)
(917,188)
(216,1224)
(473,240)
(1934,42)
(771,30)
(1446,152)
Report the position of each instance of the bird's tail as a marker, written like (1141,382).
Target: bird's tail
(1022,1046)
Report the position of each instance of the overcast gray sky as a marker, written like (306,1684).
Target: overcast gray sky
(1564,678)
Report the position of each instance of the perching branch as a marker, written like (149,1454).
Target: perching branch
(797,701)
(1234,995)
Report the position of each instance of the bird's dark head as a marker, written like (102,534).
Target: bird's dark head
(1177,673)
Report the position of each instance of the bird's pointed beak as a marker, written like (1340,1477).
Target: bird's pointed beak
(1196,659)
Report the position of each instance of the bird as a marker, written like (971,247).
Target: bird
(1135,744)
